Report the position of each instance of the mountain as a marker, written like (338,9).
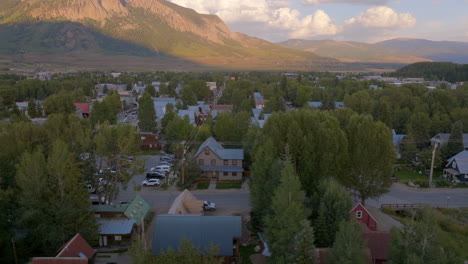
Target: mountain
(347,51)
(113,29)
(435,71)
(446,51)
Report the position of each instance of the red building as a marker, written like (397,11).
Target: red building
(85,108)
(360,213)
(75,251)
(149,141)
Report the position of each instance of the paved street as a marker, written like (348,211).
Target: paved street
(440,197)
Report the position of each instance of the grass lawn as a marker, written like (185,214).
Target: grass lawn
(405,176)
(245,253)
(202,185)
(229,185)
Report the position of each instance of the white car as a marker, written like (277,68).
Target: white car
(209,206)
(151,182)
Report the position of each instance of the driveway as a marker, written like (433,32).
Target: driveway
(438,197)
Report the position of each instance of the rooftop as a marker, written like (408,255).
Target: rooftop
(221,152)
(116,227)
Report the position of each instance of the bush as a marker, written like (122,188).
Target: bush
(442,183)
(422,183)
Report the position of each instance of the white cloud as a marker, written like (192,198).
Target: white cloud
(352,2)
(382,17)
(274,20)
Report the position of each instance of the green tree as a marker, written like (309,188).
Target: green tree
(408,148)
(287,212)
(419,126)
(304,93)
(59,103)
(371,157)
(191,172)
(150,90)
(32,109)
(188,97)
(349,246)
(147,114)
(421,241)
(455,141)
(304,248)
(334,206)
(361,102)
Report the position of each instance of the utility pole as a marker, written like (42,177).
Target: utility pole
(434,150)
(183,162)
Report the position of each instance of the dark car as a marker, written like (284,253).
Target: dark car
(155,174)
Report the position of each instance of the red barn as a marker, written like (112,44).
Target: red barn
(360,213)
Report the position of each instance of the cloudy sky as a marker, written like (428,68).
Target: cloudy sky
(355,20)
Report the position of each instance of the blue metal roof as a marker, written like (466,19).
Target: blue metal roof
(220,151)
(202,231)
(258,96)
(221,168)
(116,227)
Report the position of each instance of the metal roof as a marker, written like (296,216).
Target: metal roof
(221,168)
(221,152)
(202,231)
(258,96)
(116,227)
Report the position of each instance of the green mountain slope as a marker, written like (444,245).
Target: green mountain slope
(445,71)
(448,51)
(352,51)
(138,27)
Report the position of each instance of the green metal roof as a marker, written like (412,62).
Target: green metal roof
(137,209)
(200,230)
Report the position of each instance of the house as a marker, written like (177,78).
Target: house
(456,169)
(216,109)
(212,86)
(376,228)
(116,231)
(443,138)
(109,211)
(149,141)
(160,105)
(218,162)
(22,107)
(186,204)
(203,231)
(259,119)
(85,109)
(75,251)
(318,104)
(259,100)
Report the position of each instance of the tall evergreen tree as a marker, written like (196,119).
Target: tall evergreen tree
(32,109)
(146,114)
(304,248)
(371,157)
(283,224)
(349,246)
(151,90)
(335,203)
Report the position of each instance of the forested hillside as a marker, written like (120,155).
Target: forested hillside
(434,71)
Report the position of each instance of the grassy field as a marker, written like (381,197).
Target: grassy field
(405,176)
(229,185)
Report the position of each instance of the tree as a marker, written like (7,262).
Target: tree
(113,144)
(59,103)
(328,103)
(57,207)
(147,114)
(361,102)
(188,97)
(287,212)
(419,126)
(349,246)
(334,206)
(303,95)
(150,90)
(408,148)
(32,109)
(371,157)
(455,141)
(191,172)
(421,241)
(284,84)
(304,249)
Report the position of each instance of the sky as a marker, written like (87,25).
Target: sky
(349,20)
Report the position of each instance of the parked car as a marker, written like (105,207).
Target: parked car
(165,168)
(155,174)
(151,182)
(165,163)
(209,206)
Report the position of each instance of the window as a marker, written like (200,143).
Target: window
(358,214)
(234,162)
(118,238)
(213,162)
(225,173)
(207,151)
(234,174)
(226,162)
(201,162)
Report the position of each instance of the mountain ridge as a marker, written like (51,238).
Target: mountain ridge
(162,27)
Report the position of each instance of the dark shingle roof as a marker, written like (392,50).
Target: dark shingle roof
(202,231)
